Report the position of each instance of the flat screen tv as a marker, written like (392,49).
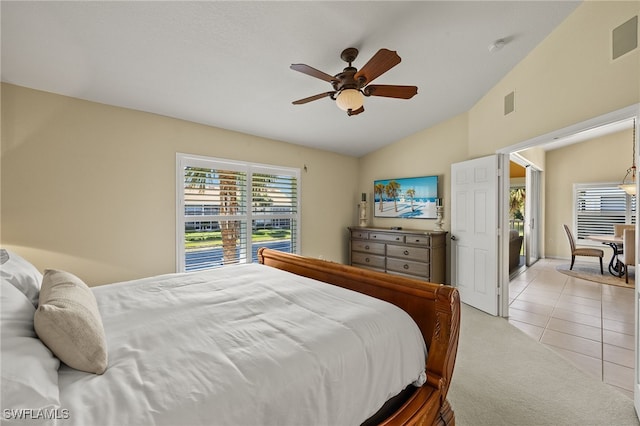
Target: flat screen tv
(409,198)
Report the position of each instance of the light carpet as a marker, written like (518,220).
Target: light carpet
(504,377)
(592,273)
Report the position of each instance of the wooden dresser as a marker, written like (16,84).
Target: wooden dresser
(409,252)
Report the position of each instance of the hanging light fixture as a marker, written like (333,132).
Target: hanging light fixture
(628,184)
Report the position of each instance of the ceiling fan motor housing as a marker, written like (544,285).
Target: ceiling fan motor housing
(346,80)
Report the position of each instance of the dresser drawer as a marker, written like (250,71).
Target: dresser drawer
(364,235)
(422,240)
(367,246)
(366,259)
(408,267)
(381,236)
(408,252)
(413,253)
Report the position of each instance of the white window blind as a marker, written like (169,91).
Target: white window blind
(599,207)
(228,209)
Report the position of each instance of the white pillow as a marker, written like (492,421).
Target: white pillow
(29,370)
(20,274)
(68,322)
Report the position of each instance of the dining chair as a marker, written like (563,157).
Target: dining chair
(629,244)
(582,251)
(618,231)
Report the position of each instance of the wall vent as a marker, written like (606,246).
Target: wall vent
(509,103)
(624,38)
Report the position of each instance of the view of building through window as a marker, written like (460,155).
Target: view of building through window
(599,207)
(227,210)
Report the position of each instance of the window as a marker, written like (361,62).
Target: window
(600,206)
(226,210)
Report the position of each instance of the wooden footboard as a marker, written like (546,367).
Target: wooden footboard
(434,307)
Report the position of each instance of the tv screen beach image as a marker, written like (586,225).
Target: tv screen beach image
(409,198)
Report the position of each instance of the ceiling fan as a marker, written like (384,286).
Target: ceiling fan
(350,86)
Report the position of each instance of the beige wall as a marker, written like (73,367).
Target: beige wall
(430,152)
(90,188)
(536,156)
(568,78)
(601,160)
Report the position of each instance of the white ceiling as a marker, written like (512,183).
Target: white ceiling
(226,64)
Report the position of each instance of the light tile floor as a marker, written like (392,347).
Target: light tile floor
(590,324)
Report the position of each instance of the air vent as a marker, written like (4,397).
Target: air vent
(624,38)
(509,103)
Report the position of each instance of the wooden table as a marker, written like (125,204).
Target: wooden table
(615,266)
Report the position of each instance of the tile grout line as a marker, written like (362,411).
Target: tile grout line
(546,327)
(554,310)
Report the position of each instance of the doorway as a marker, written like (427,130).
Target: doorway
(602,349)
(525,201)
(531,153)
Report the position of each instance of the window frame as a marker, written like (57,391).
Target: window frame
(630,216)
(191,160)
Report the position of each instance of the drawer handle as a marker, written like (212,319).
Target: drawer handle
(406,266)
(366,260)
(417,241)
(406,252)
(397,238)
(366,247)
(375,236)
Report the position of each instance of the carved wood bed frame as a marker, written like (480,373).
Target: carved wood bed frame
(434,307)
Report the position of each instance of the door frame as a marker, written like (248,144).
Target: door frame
(533,210)
(533,214)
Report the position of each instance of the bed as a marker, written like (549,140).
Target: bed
(268,343)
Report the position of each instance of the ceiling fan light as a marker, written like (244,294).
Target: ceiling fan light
(349,99)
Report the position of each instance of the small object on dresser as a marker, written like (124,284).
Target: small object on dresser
(396,228)
(439,215)
(363,211)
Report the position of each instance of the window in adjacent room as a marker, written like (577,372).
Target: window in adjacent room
(226,210)
(600,206)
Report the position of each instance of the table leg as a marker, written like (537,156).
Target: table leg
(616,267)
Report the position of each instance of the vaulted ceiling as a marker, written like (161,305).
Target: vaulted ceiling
(226,64)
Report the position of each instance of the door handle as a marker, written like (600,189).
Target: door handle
(453,237)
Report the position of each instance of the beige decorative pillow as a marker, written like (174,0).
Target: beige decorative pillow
(68,322)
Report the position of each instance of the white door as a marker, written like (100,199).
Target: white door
(474,226)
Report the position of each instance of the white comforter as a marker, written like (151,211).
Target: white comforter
(243,345)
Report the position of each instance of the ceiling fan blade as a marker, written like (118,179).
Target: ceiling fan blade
(351,112)
(313,98)
(400,92)
(306,69)
(380,63)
